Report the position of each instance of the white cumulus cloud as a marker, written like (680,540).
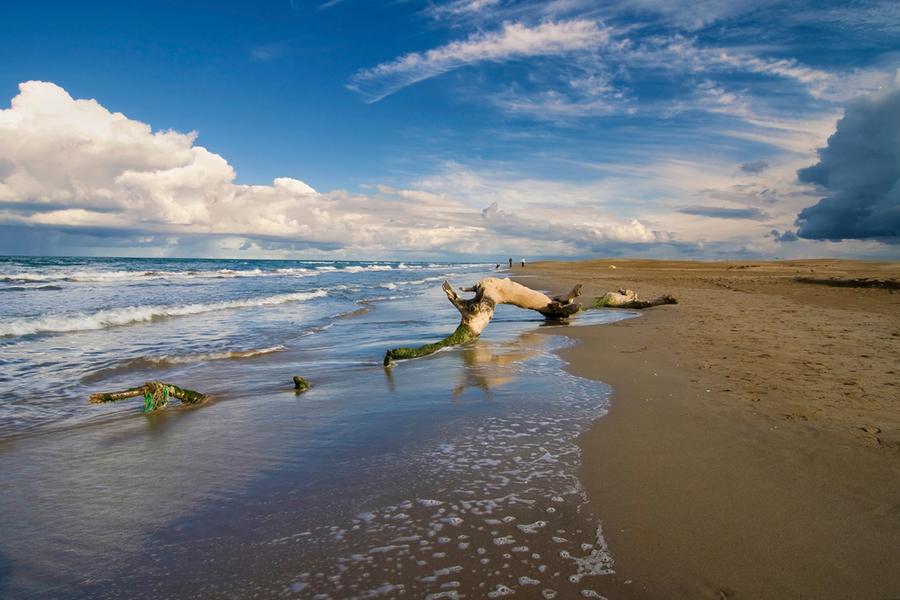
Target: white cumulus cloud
(73,164)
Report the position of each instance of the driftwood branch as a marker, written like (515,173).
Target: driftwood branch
(629,299)
(477,312)
(156,395)
(570,297)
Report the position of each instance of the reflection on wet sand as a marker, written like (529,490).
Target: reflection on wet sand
(94,491)
(492,364)
(494,505)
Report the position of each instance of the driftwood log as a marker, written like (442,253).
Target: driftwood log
(156,395)
(629,299)
(477,312)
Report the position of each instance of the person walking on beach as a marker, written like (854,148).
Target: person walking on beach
(510,262)
(523,262)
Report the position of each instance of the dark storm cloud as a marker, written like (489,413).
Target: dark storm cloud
(721,212)
(860,169)
(787,236)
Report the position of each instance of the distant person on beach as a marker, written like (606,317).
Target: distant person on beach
(498,266)
(510,263)
(523,262)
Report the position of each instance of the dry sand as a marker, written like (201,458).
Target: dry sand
(753,445)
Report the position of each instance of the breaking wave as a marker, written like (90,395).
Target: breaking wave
(167,360)
(64,323)
(30,288)
(123,276)
(116,276)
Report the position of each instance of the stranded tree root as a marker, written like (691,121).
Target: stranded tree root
(477,312)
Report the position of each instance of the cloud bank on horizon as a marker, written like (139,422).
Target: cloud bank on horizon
(73,164)
(860,168)
(643,129)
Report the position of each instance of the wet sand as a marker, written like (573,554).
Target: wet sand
(752,449)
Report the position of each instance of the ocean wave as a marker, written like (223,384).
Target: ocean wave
(129,276)
(240,273)
(143,363)
(381,298)
(203,357)
(393,285)
(363,269)
(96,276)
(102,319)
(424,280)
(30,288)
(300,271)
(104,276)
(369,268)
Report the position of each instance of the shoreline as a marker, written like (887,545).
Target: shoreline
(455,474)
(751,447)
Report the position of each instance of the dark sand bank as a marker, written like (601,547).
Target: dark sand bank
(751,450)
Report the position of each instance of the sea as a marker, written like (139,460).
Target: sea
(449,476)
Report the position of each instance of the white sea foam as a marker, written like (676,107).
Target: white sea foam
(102,319)
(500,591)
(88,275)
(119,276)
(497,478)
(105,275)
(362,268)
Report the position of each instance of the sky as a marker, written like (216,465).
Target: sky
(451,129)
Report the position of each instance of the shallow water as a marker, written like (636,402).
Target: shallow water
(452,475)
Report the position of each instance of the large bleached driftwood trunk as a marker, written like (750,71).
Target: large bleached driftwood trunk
(478,311)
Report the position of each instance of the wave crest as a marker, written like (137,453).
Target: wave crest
(102,319)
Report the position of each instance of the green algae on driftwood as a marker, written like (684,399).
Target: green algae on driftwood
(462,335)
(478,311)
(156,395)
(300,384)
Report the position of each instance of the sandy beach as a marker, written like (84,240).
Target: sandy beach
(749,448)
(753,445)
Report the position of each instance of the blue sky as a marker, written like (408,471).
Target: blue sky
(461,129)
